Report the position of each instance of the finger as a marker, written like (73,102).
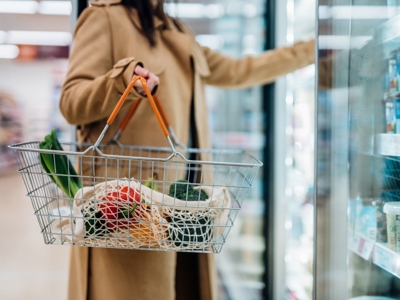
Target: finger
(139,70)
(145,73)
(138,86)
(151,83)
(153,80)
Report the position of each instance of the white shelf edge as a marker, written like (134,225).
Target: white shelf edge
(360,244)
(387,144)
(386,259)
(389,30)
(378,253)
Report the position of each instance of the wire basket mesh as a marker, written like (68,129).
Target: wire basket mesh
(133,197)
(161,220)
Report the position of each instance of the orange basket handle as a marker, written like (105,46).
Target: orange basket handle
(132,110)
(126,119)
(129,114)
(162,112)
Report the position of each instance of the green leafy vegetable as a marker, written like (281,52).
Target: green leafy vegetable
(58,166)
(184,232)
(95,225)
(183,190)
(189,232)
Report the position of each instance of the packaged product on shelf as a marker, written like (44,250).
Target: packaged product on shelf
(397,55)
(392,211)
(352,213)
(390,116)
(370,219)
(393,71)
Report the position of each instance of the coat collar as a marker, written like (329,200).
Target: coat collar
(104,2)
(132,13)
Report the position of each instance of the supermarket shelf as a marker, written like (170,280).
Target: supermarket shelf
(389,31)
(379,253)
(387,144)
(360,244)
(388,34)
(386,259)
(391,95)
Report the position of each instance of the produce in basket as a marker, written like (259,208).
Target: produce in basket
(58,167)
(121,210)
(183,190)
(165,222)
(95,225)
(152,182)
(145,232)
(189,227)
(119,207)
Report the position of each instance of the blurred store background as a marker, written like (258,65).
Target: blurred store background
(270,249)
(34,44)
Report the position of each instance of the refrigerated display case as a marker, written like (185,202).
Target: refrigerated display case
(236,121)
(289,231)
(357,145)
(299,159)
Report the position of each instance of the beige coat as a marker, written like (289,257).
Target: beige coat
(108,44)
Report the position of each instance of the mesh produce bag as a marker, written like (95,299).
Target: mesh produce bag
(125,213)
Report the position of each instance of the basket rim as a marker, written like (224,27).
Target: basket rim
(90,147)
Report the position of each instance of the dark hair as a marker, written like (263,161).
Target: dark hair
(146,11)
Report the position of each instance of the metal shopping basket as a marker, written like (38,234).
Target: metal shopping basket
(136,197)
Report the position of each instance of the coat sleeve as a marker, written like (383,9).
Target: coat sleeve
(228,72)
(94,83)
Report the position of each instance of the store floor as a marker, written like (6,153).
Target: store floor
(29,269)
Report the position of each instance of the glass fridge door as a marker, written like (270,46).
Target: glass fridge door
(299,159)
(357,185)
(235,28)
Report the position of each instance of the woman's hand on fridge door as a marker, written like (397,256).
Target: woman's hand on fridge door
(151,78)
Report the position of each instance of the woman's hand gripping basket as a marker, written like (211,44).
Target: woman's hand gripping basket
(135,197)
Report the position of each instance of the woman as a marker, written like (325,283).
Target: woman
(115,39)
